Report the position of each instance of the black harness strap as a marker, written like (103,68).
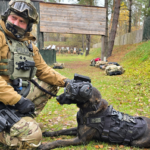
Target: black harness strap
(107,124)
(128,136)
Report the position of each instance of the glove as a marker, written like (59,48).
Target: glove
(63,100)
(67,81)
(25,105)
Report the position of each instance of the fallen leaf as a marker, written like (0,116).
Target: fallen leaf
(50,113)
(121,146)
(140,109)
(58,119)
(96,146)
(55,112)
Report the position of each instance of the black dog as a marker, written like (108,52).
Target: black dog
(97,120)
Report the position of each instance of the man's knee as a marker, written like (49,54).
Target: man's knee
(27,131)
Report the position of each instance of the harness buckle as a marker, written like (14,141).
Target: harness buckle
(105,134)
(132,120)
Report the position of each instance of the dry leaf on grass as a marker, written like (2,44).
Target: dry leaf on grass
(121,146)
(101,146)
(96,146)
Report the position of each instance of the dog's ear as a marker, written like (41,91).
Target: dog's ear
(105,103)
(96,94)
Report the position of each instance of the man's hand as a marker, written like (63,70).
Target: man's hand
(63,100)
(25,105)
(67,81)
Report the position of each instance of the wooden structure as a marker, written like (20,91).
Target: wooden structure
(66,18)
(78,19)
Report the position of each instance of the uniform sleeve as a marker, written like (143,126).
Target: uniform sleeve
(46,73)
(7,93)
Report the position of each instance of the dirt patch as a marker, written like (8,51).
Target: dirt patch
(120,51)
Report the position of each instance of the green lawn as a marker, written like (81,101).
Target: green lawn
(128,93)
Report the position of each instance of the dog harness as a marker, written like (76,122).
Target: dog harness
(114,126)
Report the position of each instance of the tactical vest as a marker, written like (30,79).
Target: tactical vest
(114,126)
(18,65)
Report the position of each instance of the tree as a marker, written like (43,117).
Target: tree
(114,27)
(88,36)
(123,19)
(105,38)
(130,12)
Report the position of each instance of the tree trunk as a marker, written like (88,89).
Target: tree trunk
(130,12)
(113,8)
(83,42)
(88,39)
(106,31)
(104,39)
(58,36)
(114,27)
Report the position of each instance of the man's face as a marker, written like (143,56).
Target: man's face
(18,21)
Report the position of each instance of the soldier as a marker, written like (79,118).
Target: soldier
(20,62)
(71,51)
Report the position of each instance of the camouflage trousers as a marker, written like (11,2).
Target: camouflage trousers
(26,133)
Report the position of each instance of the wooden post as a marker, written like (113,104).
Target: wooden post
(102,47)
(40,35)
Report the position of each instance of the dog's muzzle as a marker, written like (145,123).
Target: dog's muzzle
(79,91)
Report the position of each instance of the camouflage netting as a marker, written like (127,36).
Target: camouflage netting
(146,29)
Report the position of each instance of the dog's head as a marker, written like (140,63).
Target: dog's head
(87,104)
(91,95)
(81,92)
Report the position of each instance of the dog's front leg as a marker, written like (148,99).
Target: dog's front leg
(84,139)
(60,143)
(71,131)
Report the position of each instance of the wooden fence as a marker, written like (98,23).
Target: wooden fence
(128,38)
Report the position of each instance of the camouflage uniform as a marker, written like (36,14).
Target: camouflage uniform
(26,133)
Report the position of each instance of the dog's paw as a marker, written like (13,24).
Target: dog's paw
(40,147)
(46,146)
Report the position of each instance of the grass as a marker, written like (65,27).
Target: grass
(128,93)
